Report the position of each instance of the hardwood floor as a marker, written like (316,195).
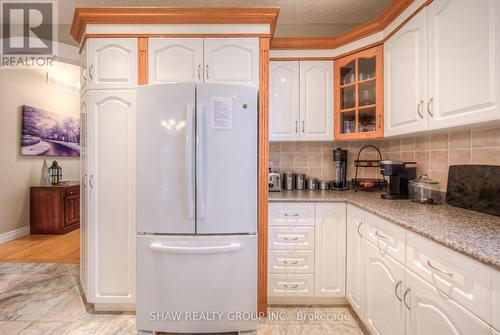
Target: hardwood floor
(43,249)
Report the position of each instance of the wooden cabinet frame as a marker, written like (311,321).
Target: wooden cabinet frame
(377,53)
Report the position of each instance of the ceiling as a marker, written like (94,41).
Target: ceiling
(296,18)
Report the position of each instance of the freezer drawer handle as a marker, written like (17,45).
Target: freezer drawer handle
(195,250)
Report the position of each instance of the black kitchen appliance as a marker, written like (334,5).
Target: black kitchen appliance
(340,170)
(399,173)
(474,187)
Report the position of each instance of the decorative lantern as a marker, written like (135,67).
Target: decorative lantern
(55,173)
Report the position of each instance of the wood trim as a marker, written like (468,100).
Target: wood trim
(300,58)
(377,52)
(391,12)
(263,172)
(142,61)
(171,15)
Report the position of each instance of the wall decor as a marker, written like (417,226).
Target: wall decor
(49,134)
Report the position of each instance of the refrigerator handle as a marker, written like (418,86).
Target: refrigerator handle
(189,159)
(200,161)
(195,249)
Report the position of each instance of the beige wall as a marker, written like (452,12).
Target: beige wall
(18,173)
(433,153)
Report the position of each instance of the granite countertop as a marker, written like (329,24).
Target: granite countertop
(471,233)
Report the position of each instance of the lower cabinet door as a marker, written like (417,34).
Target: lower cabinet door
(330,250)
(355,269)
(430,311)
(384,310)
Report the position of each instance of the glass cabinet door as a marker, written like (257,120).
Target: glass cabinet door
(358,109)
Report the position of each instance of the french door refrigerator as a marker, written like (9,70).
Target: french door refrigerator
(196,207)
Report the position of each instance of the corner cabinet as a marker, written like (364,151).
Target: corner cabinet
(301,101)
(359,98)
(208,60)
(443,68)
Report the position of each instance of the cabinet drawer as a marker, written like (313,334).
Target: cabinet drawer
(298,285)
(459,277)
(285,238)
(291,214)
(283,261)
(386,236)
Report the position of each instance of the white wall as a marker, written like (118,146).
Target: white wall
(18,173)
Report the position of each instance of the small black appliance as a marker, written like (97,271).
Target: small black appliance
(399,173)
(340,170)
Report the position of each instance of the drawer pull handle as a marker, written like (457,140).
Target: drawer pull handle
(404,299)
(439,270)
(296,214)
(359,229)
(396,290)
(380,235)
(291,262)
(290,286)
(290,238)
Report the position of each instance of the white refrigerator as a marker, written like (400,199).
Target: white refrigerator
(196,208)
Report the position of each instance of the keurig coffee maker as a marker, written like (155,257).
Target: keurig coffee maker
(340,170)
(399,173)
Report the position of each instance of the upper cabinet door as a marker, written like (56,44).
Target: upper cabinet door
(405,66)
(232,61)
(284,101)
(316,100)
(464,62)
(175,60)
(112,63)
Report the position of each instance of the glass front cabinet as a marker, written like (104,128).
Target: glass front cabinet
(359,95)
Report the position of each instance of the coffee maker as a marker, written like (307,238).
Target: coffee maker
(399,173)
(340,170)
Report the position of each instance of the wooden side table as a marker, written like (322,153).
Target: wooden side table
(55,209)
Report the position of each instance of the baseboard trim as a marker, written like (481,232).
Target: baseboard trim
(13,234)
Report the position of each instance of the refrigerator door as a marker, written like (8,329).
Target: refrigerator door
(226,159)
(166,158)
(185,278)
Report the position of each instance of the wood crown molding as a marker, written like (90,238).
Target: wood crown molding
(391,12)
(171,15)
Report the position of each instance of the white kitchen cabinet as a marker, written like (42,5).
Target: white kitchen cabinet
(83,70)
(384,287)
(84,197)
(355,259)
(429,311)
(301,101)
(291,261)
(291,285)
(284,101)
(495,297)
(464,280)
(330,231)
(111,63)
(232,61)
(111,184)
(464,62)
(442,68)
(405,78)
(316,100)
(175,60)
(388,237)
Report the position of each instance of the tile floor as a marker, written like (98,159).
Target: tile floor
(46,299)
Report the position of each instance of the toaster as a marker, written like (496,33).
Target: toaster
(274,182)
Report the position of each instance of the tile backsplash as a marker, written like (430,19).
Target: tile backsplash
(433,153)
